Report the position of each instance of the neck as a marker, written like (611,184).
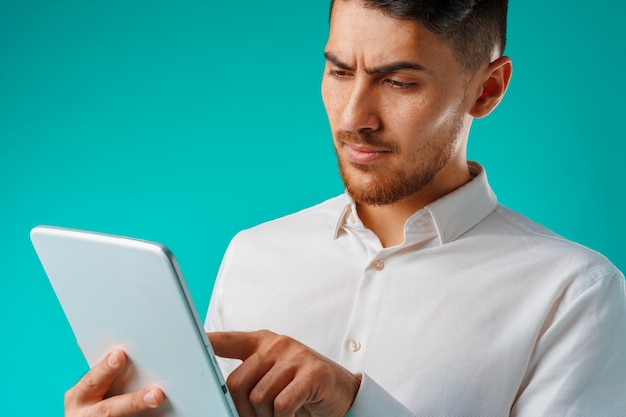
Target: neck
(387,222)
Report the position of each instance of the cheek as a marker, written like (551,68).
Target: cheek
(428,115)
(325,97)
(408,118)
(330,98)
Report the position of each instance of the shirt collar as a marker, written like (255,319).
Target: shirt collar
(451,216)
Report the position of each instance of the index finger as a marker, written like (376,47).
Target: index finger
(234,345)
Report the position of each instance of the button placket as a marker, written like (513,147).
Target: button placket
(363,314)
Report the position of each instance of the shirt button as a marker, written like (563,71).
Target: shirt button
(355,345)
(379,265)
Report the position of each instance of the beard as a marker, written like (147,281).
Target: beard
(384,187)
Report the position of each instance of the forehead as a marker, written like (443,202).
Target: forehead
(363,34)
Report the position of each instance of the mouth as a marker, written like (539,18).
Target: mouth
(361,154)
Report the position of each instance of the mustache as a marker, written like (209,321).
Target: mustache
(364,138)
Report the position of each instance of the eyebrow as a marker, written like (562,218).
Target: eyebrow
(383,69)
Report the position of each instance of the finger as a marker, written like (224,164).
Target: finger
(243,379)
(95,383)
(129,404)
(234,345)
(308,394)
(291,399)
(263,394)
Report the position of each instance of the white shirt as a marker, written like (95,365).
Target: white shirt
(479,312)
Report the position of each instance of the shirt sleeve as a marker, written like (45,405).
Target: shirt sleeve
(373,401)
(579,364)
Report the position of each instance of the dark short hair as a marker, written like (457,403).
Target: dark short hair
(473,28)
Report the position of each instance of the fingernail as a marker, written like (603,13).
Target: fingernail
(112,360)
(149,399)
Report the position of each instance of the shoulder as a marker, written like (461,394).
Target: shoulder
(318,220)
(544,249)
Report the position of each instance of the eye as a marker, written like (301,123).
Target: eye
(400,84)
(338,73)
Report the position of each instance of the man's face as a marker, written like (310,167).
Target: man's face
(396,102)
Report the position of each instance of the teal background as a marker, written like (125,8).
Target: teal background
(184,122)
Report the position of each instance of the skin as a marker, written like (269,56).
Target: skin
(280,377)
(393,124)
(87,397)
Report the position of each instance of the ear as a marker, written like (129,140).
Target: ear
(496,80)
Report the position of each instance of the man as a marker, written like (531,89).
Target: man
(415,293)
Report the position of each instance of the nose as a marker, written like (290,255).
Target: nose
(360,112)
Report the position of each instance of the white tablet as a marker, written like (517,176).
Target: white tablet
(126,293)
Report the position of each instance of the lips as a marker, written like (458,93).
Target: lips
(361,154)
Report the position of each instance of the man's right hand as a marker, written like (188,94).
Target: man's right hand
(86,398)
